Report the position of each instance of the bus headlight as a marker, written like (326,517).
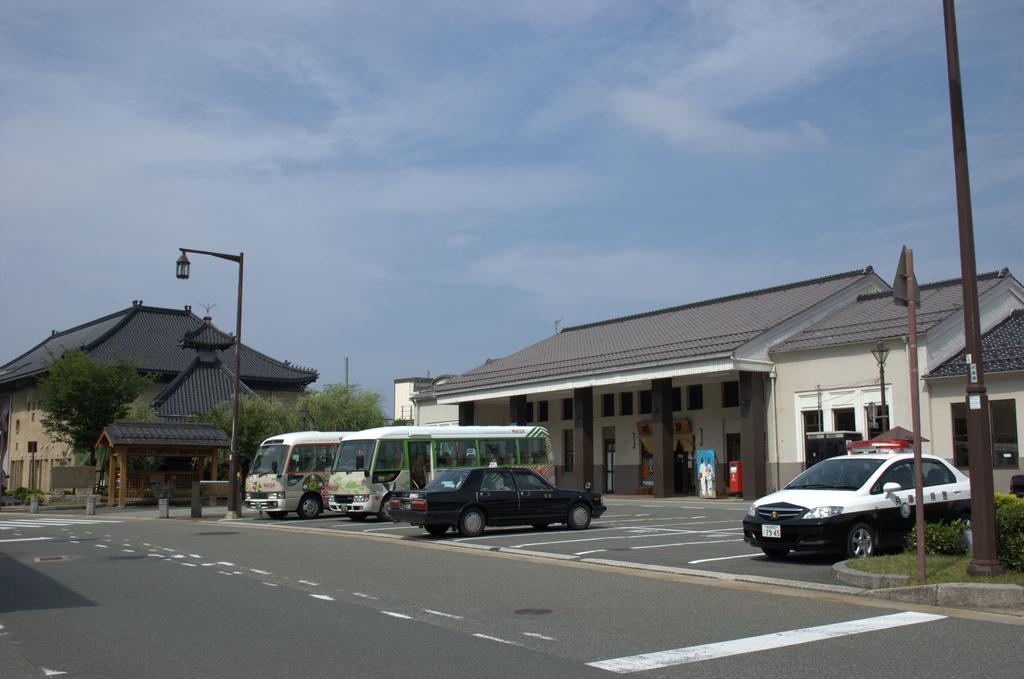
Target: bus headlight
(822,512)
(360,498)
(275,496)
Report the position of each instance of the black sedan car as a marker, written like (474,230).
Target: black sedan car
(470,499)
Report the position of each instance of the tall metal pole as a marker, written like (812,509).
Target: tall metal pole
(881,384)
(233,459)
(915,412)
(979,437)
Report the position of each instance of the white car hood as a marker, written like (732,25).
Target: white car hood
(809,498)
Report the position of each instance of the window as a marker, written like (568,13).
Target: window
(17,426)
(812,421)
(1005,446)
(567,449)
(677,399)
(733,447)
(645,402)
(626,403)
(730,394)
(843,419)
(542,411)
(695,397)
(608,405)
(936,474)
(494,481)
(390,455)
(876,419)
(529,412)
(312,457)
(533,451)
(566,408)
(457,453)
(33,447)
(1004,432)
(500,451)
(527,481)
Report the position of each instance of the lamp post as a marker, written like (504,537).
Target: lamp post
(182,272)
(881,352)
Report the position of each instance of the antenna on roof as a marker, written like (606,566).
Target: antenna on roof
(207,308)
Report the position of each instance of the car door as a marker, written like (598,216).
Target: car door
(896,517)
(498,496)
(943,495)
(536,501)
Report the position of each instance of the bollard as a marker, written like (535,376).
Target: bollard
(164,505)
(90,505)
(33,505)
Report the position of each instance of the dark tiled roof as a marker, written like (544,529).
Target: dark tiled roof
(197,389)
(149,335)
(670,335)
(206,336)
(875,317)
(124,432)
(1002,350)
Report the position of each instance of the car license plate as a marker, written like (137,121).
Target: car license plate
(771,531)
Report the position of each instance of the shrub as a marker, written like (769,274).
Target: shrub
(1010,531)
(940,538)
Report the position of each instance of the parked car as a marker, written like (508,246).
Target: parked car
(1017,485)
(855,505)
(470,499)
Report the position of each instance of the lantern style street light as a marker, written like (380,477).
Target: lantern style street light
(881,352)
(182,272)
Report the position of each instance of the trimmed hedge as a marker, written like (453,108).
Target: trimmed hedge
(940,538)
(1010,531)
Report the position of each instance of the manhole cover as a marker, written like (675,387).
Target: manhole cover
(533,611)
(47,559)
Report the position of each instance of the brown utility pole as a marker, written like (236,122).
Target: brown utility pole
(979,436)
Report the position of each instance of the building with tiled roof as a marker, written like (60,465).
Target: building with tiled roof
(770,379)
(191,359)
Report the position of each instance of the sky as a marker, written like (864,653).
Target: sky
(418,186)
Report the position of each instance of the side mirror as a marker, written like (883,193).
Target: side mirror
(891,488)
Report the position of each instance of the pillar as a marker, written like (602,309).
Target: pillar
(583,437)
(517,410)
(753,418)
(467,413)
(123,495)
(661,437)
(111,477)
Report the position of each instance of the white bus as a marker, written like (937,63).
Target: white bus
(372,463)
(289,473)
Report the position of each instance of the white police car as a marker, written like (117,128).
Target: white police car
(855,505)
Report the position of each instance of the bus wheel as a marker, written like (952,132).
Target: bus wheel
(384,512)
(309,507)
(579,516)
(436,529)
(276,515)
(471,523)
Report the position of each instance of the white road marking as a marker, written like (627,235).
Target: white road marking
(324,597)
(397,615)
(442,614)
(724,558)
(269,584)
(52,673)
(501,641)
(186,563)
(371,530)
(365,596)
(224,573)
(209,564)
(257,570)
(222,563)
(101,546)
(307,582)
(590,551)
(683,544)
(130,551)
(159,556)
(539,636)
(25,539)
(764,642)
(195,556)
(74,542)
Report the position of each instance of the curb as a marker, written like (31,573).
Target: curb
(950,594)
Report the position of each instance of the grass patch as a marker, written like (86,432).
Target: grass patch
(937,568)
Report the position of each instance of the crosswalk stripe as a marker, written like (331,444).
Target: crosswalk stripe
(691,654)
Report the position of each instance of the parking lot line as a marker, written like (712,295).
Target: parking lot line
(725,558)
(764,642)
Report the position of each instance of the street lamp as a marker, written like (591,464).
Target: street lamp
(881,352)
(182,271)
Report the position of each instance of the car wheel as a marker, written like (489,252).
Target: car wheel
(276,515)
(357,517)
(309,507)
(384,511)
(861,542)
(471,523)
(436,529)
(775,552)
(541,526)
(579,516)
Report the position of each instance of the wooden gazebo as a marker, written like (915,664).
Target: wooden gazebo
(158,439)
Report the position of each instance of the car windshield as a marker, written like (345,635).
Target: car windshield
(353,454)
(450,479)
(837,473)
(269,459)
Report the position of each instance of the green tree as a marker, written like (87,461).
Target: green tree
(341,408)
(81,396)
(258,420)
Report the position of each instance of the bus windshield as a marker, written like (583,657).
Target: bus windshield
(269,459)
(353,455)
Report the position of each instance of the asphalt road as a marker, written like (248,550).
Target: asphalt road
(122,597)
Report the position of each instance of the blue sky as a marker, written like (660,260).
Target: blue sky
(422,185)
